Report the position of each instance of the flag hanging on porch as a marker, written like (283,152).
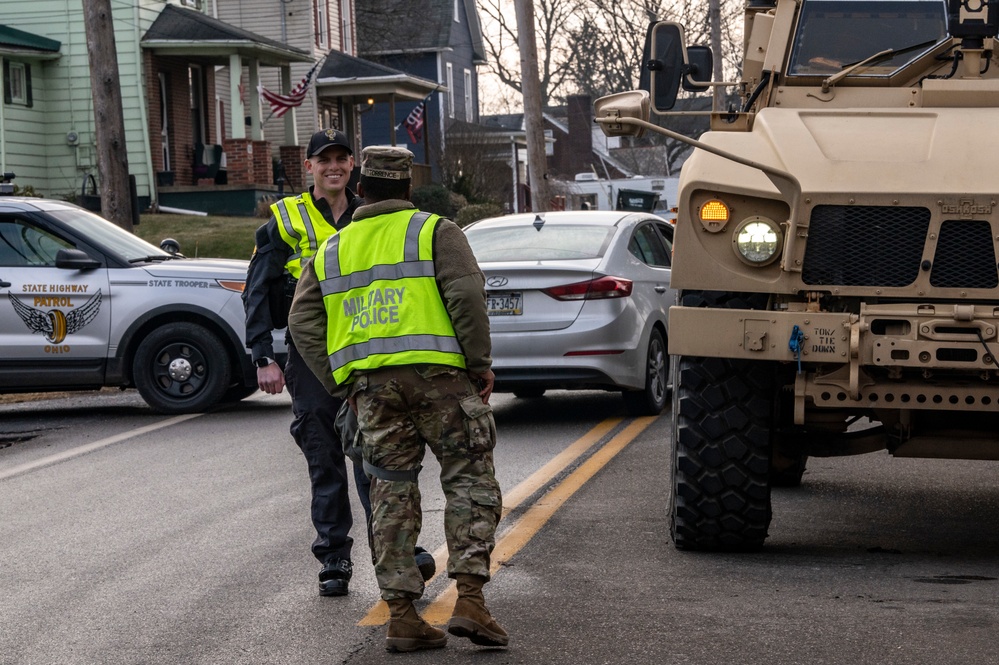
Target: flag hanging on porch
(280,104)
(414,123)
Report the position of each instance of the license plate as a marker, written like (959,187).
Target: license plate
(504,304)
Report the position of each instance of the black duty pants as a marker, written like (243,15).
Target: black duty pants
(313,431)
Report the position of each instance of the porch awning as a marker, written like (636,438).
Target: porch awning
(21,44)
(355,81)
(179,31)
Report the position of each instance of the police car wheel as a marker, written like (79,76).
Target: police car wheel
(181,368)
(237,392)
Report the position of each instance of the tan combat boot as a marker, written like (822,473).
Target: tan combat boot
(471,619)
(408,632)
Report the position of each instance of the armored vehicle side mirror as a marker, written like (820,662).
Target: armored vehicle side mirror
(700,64)
(75,259)
(663,64)
(630,104)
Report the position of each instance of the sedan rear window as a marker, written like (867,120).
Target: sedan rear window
(527,243)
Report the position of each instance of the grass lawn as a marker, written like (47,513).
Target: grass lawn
(203,237)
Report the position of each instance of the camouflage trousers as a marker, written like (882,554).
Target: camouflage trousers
(400,411)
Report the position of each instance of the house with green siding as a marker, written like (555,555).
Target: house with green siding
(190,143)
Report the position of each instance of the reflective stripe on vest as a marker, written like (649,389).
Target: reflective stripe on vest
(382,302)
(302,227)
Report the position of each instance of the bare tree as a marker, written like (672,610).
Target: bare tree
(475,163)
(556,59)
(595,46)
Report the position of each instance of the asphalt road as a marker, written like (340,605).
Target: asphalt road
(189,544)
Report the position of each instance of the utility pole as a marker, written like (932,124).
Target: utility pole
(714,25)
(530,86)
(112,154)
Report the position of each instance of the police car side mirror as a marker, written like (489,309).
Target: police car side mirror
(170,246)
(75,259)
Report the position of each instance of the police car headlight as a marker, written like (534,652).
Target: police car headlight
(758,240)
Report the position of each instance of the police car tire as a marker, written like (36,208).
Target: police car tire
(651,400)
(238,392)
(723,412)
(205,369)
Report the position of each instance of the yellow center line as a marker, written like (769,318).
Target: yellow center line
(520,533)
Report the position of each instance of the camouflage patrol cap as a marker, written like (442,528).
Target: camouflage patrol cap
(390,162)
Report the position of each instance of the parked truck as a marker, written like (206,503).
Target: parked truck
(835,252)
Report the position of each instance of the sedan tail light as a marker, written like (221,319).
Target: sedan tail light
(603,287)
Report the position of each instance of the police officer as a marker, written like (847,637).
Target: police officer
(393,308)
(292,234)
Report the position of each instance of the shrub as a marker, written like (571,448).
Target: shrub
(438,200)
(475,212)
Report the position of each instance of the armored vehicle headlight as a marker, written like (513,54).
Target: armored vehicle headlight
(758,240)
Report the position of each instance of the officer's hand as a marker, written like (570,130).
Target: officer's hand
(270,379)
(486,380)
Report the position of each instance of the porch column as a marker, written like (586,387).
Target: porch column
(290,123)
(392,115)
(253,99)
(237,124)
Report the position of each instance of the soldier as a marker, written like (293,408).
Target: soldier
(393,308)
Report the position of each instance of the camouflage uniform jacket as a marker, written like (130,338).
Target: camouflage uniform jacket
(458,277)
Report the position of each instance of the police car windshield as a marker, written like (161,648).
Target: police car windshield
(110,237)
(834,34)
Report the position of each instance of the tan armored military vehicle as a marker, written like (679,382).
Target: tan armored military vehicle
(835,251)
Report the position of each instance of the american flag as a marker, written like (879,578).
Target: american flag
(280,104)
(414,123)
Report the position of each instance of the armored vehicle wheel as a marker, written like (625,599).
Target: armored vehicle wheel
(722,421)
(181,368)
(652,399)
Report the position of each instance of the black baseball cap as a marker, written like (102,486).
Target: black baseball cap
(324,139)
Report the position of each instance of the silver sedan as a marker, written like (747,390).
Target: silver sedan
(578,300)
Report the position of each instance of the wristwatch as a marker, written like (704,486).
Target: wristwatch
(263,362)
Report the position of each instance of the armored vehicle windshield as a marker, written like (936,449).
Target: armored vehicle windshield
(835,34)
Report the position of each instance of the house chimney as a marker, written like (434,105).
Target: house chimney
(580,109)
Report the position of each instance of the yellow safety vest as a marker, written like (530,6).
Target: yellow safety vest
(302,226)
(382,304)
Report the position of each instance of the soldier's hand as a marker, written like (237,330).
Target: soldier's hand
(486,380)
(270,379)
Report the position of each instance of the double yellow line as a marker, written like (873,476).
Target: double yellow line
(521,531)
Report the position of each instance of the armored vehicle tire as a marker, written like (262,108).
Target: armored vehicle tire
(181,368)
(652,400)
(722,423)
(529,393)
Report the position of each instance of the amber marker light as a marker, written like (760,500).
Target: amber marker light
(231,285)
(714,211)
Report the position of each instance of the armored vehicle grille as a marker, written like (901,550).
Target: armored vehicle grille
(865,245)
(965,257)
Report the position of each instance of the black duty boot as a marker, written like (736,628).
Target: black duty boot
(407,631)
(334,577)
(425,562)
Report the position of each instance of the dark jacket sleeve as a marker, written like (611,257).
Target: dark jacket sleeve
(463,289)
(266,272)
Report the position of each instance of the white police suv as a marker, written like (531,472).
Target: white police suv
(85,304)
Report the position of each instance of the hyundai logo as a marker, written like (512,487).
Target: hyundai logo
(497,281)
